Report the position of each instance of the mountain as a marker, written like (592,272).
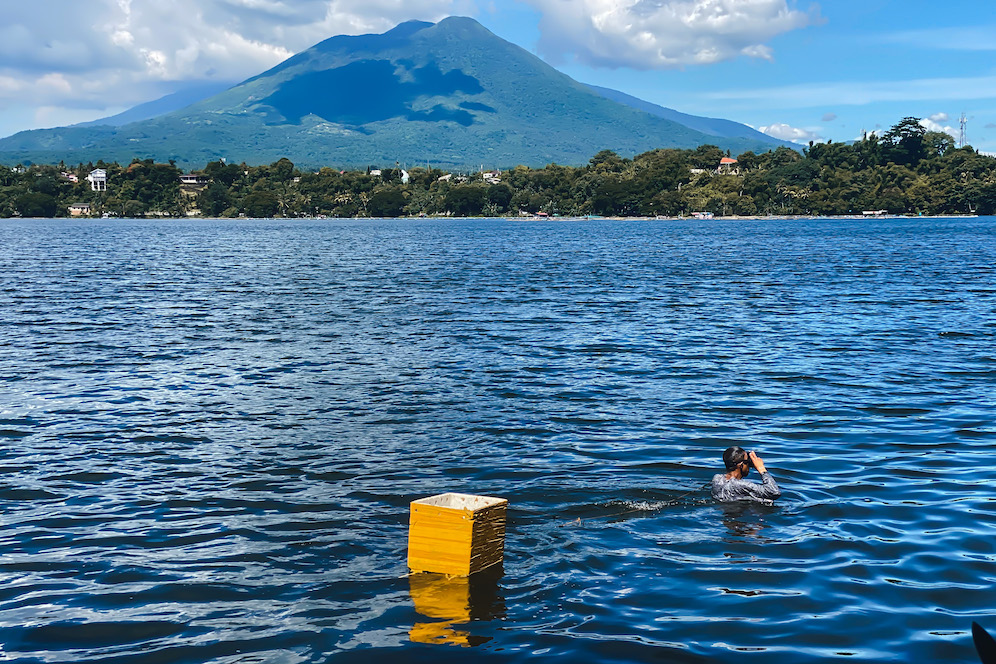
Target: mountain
(710,126)
(172,102)
(201,91)
(451,94)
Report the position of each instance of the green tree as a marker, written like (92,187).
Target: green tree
(45,183)
(904,142)
(500,196)
(387,202)
(706,157)
(465,200)
(34,204)
(617,197)
(214,199)
(937,144)
(226,174)
(132,209)
(282,170)
(607,161)
(261,204)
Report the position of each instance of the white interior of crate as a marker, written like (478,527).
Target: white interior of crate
(460,501)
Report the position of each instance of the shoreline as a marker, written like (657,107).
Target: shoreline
(788,217)
(841,217)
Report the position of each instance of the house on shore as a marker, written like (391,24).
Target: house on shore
(98,179)
(191,185)
(728,166)
(79,210)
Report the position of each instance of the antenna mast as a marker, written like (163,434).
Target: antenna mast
(963,136)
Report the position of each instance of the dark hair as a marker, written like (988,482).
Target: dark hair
(734,456)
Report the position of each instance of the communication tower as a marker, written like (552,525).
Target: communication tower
(963,136)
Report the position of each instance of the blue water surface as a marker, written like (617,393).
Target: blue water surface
(210,433)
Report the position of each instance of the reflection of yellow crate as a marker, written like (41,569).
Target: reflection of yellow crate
(444,598)
(441,597)
(456,534)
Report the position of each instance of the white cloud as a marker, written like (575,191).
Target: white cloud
(11,85)
(653,34)
(970,38)
(858,93)
(104,54)
(788,133)
(56,83)
(933,123)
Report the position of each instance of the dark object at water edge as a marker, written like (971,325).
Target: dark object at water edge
(984,643)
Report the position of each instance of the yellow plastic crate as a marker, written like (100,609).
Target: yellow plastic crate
(456,533)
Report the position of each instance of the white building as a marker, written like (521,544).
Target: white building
(98,179)
(197,180)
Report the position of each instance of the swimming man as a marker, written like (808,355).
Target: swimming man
(732,486)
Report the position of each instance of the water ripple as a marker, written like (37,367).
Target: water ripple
(211,430)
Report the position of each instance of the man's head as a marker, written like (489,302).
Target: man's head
(735,457)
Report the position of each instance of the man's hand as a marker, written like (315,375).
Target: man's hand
(758,464)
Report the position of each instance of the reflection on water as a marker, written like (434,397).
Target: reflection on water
(454,601)
(746,520)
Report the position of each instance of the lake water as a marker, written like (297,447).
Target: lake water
(210,433)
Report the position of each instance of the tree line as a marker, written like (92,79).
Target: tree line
(905,170)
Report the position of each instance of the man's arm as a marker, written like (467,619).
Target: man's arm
(768,489)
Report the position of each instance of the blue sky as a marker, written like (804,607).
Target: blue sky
(798,70)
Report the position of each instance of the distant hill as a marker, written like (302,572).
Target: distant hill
(201,91)
(451,94)
(710,126)
(172,102)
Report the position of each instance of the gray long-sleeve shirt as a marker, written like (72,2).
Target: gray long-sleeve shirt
(728,491)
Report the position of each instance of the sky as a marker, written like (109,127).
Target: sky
(798,70)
